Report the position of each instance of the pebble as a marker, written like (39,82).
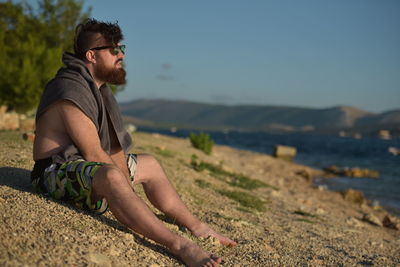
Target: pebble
(371,218)
(128,236)
(320,211)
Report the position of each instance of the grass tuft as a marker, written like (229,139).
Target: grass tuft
(233,179)
(306,214)
(244,199)
(202,183)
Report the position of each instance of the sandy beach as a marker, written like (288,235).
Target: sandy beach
(283,221)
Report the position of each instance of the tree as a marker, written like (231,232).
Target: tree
(32,44)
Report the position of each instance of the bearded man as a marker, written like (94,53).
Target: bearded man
(81,149)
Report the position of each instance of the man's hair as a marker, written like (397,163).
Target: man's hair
(85,34)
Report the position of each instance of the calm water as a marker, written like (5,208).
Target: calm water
(322,151)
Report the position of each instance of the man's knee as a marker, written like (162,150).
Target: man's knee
(109,174)
(149,161)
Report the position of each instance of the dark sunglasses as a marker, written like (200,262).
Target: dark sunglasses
(115,49)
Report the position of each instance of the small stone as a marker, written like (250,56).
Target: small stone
(306,174)
(29,137)
(128,236)
(322,187)
(387,222)
(213,241)
(372,219)
(354,196)
(320,211)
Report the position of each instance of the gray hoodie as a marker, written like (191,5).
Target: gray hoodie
(75,83)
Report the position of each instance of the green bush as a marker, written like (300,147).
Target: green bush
(202,141)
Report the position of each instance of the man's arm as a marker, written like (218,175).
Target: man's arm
(83,133)
(119,158)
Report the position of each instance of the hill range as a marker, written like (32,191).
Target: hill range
(193,115)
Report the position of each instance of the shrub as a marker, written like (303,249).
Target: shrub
(202,141)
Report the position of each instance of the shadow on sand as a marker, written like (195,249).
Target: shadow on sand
(19,179)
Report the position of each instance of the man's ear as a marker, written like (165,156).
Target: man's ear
(90,56)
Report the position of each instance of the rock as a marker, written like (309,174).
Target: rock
(388,222)
(322,187)
(372,219)
(306,174)
(360,172)
(9,121)
(320,211)
(354,196)
(394,151)
(350,172)
(28,136)
(284,152)
(384,134)
(128,236)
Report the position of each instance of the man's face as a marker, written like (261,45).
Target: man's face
(109,67)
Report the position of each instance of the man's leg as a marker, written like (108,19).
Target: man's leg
(129,209)
(164,197)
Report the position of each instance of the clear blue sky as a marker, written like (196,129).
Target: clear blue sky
(309,53)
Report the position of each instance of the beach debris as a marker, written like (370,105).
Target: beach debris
(306,174)
(354,196)
(350,172)
(284,152)
(372,219)
(28,136)
(389,223)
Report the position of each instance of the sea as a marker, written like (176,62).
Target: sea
(320,151)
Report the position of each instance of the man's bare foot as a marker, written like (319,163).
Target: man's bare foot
(193,256)
(203,230)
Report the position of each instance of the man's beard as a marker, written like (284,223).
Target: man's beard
(111,75)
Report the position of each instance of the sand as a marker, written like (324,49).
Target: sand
(299,224)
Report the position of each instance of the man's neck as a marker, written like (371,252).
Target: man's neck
(97,81)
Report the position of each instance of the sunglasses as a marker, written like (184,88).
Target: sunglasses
(115,49)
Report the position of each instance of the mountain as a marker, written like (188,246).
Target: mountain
(187,114)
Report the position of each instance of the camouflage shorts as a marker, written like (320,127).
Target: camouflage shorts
(72,181)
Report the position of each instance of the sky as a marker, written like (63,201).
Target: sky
(309,53)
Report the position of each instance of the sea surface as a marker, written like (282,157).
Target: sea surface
(322,151)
